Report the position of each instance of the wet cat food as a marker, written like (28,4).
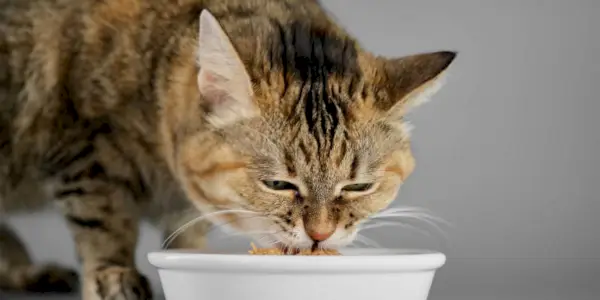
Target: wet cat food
(279,251)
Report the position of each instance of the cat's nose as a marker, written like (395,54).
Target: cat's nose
(319,224)
(320,235)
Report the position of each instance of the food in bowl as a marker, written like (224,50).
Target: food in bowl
(280,251)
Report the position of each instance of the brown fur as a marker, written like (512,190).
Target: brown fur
(119,110)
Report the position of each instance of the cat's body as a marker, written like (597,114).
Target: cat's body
(75,72)
(86,69)
(105,111)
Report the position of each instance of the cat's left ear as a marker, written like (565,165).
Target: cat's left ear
(223,82)
(410,81)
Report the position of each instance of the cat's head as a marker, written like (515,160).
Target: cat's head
(308,136)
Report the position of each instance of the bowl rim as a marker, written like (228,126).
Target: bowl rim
(352,261)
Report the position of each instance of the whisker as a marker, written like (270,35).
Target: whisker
(413,213)
(410,211)
(248,233)
(367,241)
(400,209)
(269,243)
(187,225)
(380,224)
(357,240)
(223,224)
(426,220)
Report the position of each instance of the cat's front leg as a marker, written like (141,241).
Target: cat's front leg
(102,216)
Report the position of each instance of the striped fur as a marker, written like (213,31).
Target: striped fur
(106,112)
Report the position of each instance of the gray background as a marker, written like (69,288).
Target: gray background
(506,152)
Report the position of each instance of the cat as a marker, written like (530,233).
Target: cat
(265,110)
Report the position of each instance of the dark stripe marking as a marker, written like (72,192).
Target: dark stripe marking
(65,193)
(354,168)
(87,223)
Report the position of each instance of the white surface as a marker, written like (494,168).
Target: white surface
(357,275)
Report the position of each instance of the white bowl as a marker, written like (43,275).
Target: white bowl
(359,274)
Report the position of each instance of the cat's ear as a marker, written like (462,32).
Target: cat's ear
(412,80)
(223,82)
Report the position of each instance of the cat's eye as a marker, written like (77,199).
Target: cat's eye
(357,187)
(278,185)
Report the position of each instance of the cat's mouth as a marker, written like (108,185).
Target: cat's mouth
(295,250)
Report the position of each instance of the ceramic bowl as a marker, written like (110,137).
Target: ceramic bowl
(358,274)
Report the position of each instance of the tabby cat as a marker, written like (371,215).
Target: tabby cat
(119,110)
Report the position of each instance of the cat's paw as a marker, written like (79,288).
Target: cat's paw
(50,279)
(116,283)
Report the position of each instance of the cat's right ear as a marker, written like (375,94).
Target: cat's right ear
(223,82)
(411,80)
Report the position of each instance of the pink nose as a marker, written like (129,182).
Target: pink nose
(319,236)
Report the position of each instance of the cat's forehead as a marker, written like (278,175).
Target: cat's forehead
(320,155)
(312,70)
(303,50)
(315,78)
